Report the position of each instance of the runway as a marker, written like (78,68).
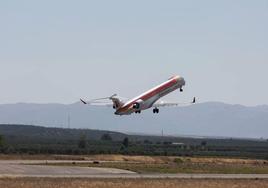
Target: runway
(31,169)
(28,168)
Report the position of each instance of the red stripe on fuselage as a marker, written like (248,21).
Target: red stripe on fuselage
(150,94)
(158,90)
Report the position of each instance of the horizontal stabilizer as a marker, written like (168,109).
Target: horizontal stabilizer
(84,102)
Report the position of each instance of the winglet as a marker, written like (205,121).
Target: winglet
(84,102)
(194,100)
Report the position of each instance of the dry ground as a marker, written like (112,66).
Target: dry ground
(128,183)
(137,159)
(157,164)
(166,164)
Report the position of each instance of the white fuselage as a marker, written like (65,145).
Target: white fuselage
(147,99)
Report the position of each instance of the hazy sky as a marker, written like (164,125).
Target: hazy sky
(59,51)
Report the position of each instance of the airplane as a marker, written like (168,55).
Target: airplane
(146,100)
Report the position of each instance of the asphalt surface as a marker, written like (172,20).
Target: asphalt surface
(28,168)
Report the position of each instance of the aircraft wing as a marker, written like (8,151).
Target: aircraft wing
(105,101)
(170,104)
(97,103)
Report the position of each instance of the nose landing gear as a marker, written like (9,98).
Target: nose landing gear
(155,110)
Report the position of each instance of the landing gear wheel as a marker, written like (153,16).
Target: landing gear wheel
(181,90)
(137,112)
(156,110)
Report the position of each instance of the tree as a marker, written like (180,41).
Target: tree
(82,142)
(126,142)
(147,142)
(204,143)
(1,141)
(106,137)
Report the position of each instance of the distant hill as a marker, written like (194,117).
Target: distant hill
(18,134)
(33,133)
(205,119)
(48,140)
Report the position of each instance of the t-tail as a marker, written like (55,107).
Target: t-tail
(117,103)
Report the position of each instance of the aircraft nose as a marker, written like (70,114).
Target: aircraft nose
(181,80)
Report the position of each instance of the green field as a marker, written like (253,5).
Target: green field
(35,140)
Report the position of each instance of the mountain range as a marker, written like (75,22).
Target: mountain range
(204,119)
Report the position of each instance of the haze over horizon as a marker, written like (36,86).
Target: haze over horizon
(60,51)
(206,119)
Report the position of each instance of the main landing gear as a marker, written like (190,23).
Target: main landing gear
(137,112)
(181,90)
(155,110)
